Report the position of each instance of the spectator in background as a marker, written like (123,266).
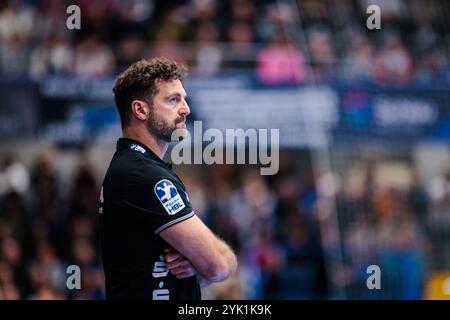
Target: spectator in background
(47,257)
(322,53)
(240,53)
(389,203)
(358,60)
(16,19)
(11,255)
(8,289)
(280,63)
(198,11)
(361,250)
(93,59)
(14,216)
(44,180)
(54,56)
(204,9)
(425,36)
(130,49)
(252,204)
(83,253)
(219,213)
(164,46)
(85,189)
(208,54)
(393,63)
(402,260)
(40,286)
(14,57)
(171,24)
(50,21)
(131,18)
(303,276)
(263,253)
(52,51)
(197,192)
(82,228)
(242,10)
(92,281)
(16,29)
(14,176)
(48,216)
(419,202)
(97,17)
(439,220)
(431,65)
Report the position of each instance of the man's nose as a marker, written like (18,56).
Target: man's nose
(185,110)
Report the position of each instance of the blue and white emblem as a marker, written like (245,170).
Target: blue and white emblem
(169,197)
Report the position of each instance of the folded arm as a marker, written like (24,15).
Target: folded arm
(211,258)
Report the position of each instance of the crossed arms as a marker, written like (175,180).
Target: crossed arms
(196,250)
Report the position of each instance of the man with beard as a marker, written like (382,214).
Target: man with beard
(153,244)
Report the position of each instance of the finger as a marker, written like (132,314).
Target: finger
(185,274)
(177,263)
(188,273)
(181,269)
(180,263)
(172,256)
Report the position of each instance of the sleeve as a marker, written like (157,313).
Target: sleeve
(159,198)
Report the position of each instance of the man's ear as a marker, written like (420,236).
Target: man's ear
(140,109)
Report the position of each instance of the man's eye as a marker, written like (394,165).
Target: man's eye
(174,99)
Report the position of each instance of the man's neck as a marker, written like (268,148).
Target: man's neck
(159,147)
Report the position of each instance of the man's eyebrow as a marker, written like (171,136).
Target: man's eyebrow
(178,95)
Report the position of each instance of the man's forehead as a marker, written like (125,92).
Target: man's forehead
(170,87)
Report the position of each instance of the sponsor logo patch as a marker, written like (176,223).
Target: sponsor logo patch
(169,197)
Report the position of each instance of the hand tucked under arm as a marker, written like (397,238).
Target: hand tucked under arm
(210,256)
(178,265)
(182,268)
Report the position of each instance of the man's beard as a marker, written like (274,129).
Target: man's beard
(162,129)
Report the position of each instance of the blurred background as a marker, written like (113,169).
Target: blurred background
(364,120)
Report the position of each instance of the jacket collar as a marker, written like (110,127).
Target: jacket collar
(126,143)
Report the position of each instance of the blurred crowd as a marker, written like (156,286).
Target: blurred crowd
(297,235)
(281,42)
(43,230)
(281,228)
